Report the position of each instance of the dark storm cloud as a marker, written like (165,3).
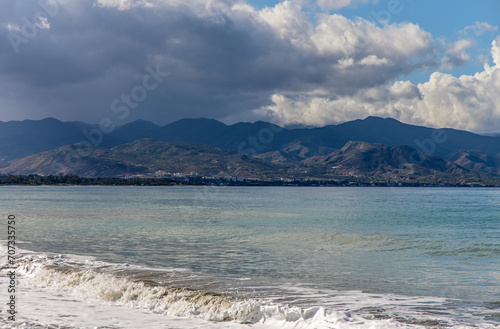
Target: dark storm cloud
(224,59)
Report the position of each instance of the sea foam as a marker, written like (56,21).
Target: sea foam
(134,288)
(101,283)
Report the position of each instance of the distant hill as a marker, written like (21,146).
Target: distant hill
(21,138)
(477,161)
(296,153)
(141,157)
(130,132)
(392,132)
(148,158)
(390,163)
(265,141)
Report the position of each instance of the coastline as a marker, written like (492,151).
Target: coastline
(73,180)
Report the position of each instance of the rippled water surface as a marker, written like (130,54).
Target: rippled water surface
(436,242)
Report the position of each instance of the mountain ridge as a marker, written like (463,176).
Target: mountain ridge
(33,136)
(155,158)
(141,157)
(264,141)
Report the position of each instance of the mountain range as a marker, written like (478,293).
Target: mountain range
(373,147)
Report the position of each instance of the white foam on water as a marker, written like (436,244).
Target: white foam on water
(80,292)
(47,307)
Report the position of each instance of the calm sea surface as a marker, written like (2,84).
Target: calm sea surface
(293,245)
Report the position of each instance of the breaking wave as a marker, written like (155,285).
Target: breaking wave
(180,293)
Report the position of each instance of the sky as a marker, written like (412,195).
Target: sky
(297,62)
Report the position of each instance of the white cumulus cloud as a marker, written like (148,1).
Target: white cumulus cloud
(479,28)
(457,55)
(469,102)
(495,51)
(338,4)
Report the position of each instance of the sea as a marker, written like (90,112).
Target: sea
(250,257)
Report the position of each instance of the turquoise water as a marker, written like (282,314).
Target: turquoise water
(439,242)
